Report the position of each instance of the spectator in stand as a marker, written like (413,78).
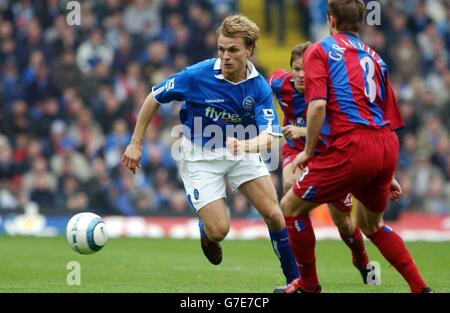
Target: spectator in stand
(11,87)
(436,201)
(281,20)
(171,8)
(240,206)
(7,168)
(93,51)
(65,72)
(62,37)
(406,57)
(70,161)
(71,196)
(116,142)
(141,18)
(86,133)
(40,184)
(44,115)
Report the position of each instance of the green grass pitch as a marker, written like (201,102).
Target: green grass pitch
(29,264)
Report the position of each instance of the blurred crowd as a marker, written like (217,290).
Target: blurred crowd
(70,95)
(414,40)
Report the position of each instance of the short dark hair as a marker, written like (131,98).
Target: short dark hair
(349,14)
(299,50)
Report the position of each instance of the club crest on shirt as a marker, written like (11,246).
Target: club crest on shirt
(248,103)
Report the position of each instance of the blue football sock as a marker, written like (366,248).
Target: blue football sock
(202,231)
(280,244)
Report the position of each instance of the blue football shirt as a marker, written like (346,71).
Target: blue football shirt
(214,108)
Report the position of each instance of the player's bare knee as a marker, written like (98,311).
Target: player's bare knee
(361,222)
(217,236)
(286,186)
(370,228)
(217,232)
(374,223)
(344,223)
(345,226)
(287,208)
(275,220)
(288,182)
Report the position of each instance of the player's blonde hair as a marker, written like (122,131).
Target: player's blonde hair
(240,25)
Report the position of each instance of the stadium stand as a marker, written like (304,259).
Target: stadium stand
(70,95)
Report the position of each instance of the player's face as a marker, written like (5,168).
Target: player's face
(233,55)
(298,74)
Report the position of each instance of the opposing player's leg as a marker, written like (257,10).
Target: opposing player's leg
(325,179)
(391,247)
(351,235)
(289,175)
(303,241)
(301,233)
(262,194)
(374,197)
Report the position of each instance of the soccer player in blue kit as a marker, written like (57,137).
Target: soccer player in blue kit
(228,97)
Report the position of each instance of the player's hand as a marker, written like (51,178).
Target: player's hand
(132,157)
(293,132)
(300,161)
(396,190)
(235,146)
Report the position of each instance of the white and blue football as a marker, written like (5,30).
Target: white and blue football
(86,233)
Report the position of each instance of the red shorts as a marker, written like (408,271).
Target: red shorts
(288,154)
(361,162)
(345,204)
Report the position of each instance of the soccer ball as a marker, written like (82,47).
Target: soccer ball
(86,233)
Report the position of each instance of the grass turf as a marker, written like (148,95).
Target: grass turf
(29,264)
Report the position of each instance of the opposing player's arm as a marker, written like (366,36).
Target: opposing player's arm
(133,153)
(314,121)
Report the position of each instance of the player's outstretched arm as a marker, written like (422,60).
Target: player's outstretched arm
(262,142)
(133,153)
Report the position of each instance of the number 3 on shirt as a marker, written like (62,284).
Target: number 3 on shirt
(369,71)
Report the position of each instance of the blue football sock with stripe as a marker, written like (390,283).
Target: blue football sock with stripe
(280,244)
(201,226)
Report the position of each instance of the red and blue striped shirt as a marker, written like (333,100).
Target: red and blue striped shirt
(353,79)
(292,103)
